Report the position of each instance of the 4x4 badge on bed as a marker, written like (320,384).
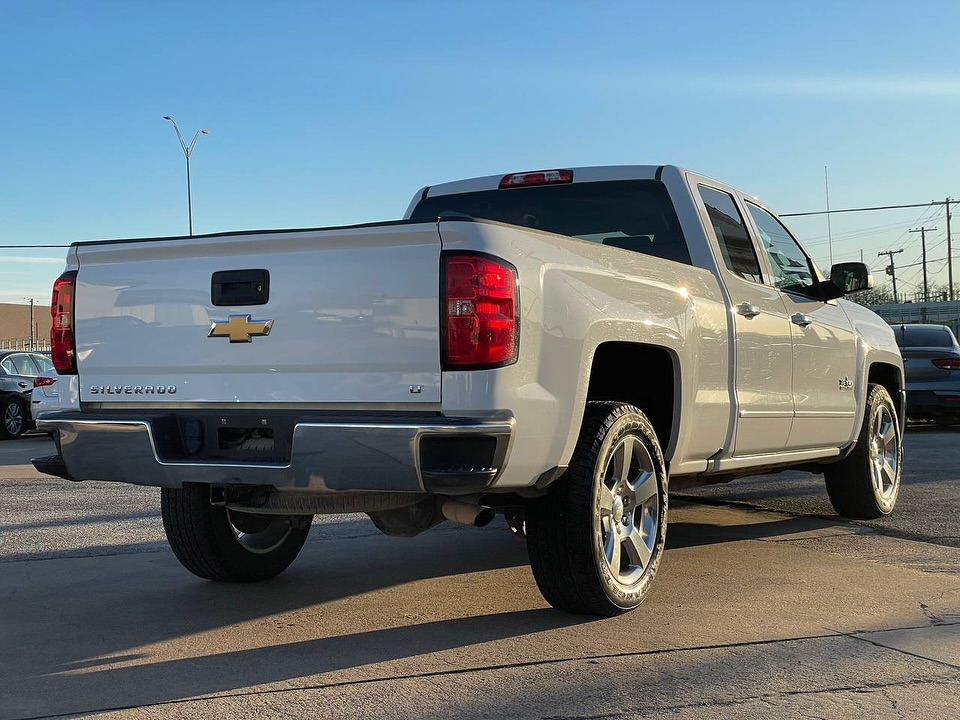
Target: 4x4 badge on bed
(240,328)
(846,383)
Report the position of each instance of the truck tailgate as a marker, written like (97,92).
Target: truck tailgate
(350,315)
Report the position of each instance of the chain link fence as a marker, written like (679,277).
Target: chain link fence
(937,313)
(35,345)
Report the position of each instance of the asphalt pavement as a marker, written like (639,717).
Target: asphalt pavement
(755,614)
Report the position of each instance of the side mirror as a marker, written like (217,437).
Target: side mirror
(846,278)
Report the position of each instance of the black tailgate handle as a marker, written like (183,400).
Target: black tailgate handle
(240,287)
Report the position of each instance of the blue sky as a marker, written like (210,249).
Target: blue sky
(331,113)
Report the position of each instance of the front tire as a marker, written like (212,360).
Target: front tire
(220,544)
(866,483)
(595,541)
(13,418)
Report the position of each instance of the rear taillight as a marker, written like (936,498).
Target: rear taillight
(40,382)
(541,177)
(480,313)
(947,363)
(61,332)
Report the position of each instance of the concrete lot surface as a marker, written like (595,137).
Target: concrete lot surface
(755,614)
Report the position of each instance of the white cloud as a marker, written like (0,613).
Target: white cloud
(851,87)
(22,296)
(838,86)
(26,259)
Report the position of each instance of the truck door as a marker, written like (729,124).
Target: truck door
(763,355)
(824,344)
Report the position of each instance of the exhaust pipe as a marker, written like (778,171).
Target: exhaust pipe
(475,515)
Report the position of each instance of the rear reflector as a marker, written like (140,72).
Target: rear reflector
(541,177)
(43,381)
(61,332)
(947,363)
(480,315)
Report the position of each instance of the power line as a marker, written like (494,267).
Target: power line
(863,209)
(924,217)
(859,232)
(920,262)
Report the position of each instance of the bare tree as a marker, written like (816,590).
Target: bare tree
(880,295)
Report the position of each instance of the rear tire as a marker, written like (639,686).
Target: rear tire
(866,483)
(220,544)
(13,418)
(595,541)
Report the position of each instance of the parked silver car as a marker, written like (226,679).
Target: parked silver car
(20,372)
(46,393)
(931,363)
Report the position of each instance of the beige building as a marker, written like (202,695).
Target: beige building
(19,324)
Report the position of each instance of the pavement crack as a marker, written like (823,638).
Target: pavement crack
(877,644)
(434,674)
(885,694)
(771,699)
(930,615)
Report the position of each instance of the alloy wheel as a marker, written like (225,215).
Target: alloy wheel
(13,419)
(259,533)
(884,452)
(629,517)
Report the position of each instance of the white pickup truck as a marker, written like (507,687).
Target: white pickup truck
(552,345)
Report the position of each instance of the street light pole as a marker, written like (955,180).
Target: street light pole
(30,300)
(187,152)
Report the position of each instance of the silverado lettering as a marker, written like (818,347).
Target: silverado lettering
(132,389)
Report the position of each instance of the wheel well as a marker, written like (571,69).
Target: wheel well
(889,377)
(17,398)
(642,375)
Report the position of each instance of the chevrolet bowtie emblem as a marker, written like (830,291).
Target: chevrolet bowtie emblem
(240,328)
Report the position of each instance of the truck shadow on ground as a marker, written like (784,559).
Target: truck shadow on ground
(227,671)
(90,634)
(110,616)
(682,533)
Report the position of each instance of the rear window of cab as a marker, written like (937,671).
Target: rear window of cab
(635,215)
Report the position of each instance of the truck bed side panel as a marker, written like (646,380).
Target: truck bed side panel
(576,295)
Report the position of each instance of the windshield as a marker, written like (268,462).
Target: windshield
(633,215)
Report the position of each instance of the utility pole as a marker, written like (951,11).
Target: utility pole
(923,244)
(949,254)
(892,270)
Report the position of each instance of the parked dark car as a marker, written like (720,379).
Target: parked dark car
(18,372)
(931,363)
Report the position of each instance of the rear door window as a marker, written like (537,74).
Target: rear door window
(737,249)
(635,215)
(45,365)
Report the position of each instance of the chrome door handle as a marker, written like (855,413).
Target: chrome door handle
(748,310)
(23,384)
(801,319)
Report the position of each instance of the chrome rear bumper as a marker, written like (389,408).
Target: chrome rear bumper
(435,454)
